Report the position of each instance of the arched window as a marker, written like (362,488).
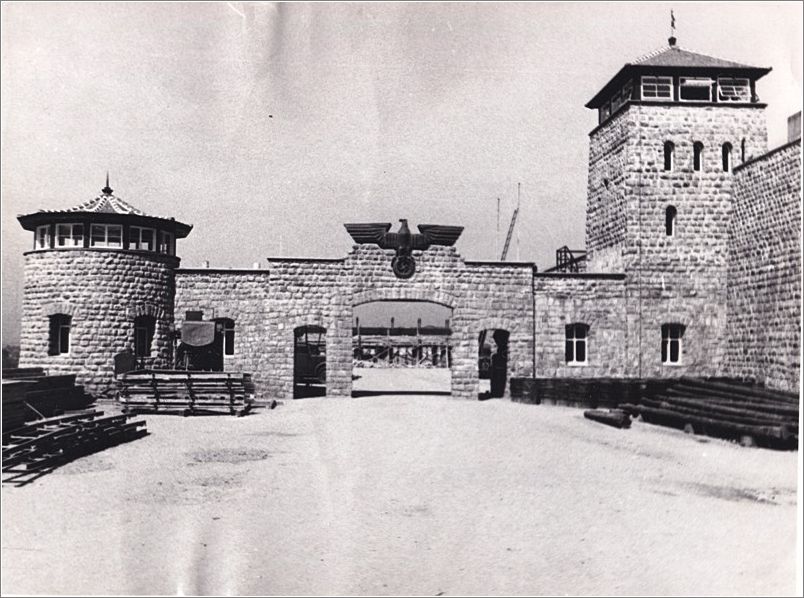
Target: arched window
(671,343)
(226,328)
(727,157)
(144,329)
(575,351)
(670,220)
(669,150)
(742,150)
(697,156)
(60,334)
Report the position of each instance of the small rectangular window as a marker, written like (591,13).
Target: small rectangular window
(142,238)
(695,89)
(106,235)
(60,334)
(42,237)
(672,335)
(733,90)
(69,235)
(165,242)
(575,344)
(657,88)
(144,330)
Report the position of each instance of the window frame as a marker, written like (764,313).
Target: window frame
(670,216)
(573,339)
(726,152)
(105,243)
(148,325)
(671,154)
(166,240)
(135,239)
(672,333)
(739,99)
(37,237)
(58,339)
(709,82)
(77,240)
(698,156)
(228,328)
(657,80)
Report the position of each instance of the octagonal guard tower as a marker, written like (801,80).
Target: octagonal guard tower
(100,279)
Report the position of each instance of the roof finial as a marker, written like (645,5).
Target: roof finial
(672,38)
(107,190)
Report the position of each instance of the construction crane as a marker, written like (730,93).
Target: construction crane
(511,226)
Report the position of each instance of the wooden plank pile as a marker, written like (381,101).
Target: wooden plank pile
(39,447)
(47,395)
(749,414)
(186,392)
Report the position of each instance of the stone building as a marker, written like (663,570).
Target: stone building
(692,264)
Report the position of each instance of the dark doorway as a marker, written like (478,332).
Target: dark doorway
(492,362)
(309,362)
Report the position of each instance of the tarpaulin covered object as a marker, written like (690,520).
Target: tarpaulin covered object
(197,334)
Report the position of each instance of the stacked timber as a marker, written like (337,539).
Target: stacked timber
(613,417)
(185,392)
(45,395)
(15,411)
(39,447)
(746,413)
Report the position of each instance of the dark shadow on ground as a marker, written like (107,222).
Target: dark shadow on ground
(378,393)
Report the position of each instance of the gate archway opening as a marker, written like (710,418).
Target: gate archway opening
(309,361)
(492,362)
(401,347)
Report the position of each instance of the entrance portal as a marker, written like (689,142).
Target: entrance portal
(309,362)
(493,362)
(401,347)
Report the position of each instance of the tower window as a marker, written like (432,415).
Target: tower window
(657,88)
(166,243)
(60,334)
(69,235)
(670,220)
(742,150)
(141,238)
(733,90)
(727,157)
(669,150)
(226,326)
(671,343)
(42,237)
(575,345)
(694,89)
(144,330)
(697,156)
(106,235)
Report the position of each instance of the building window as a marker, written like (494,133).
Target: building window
(141,238)
(670,220)
(42,237)
(727,157)
(697,156)
(165,242)
(694,89)
(575,346)
(742,150)
(672,335)
(106,235)
(605,111)
(69,235)
(144,329)
(669,150)
(657,88)
(733,90)
(226,327)
(60,334)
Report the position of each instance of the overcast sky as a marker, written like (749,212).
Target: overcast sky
(268,126)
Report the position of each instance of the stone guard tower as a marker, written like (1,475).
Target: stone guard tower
(99,280)
(672,126)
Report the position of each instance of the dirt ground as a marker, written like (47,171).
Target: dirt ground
(407,494)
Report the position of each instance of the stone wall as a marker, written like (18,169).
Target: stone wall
(764,273)
(103,290)
(597,300)
(268,306)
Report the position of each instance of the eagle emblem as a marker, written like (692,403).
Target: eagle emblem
(403,241)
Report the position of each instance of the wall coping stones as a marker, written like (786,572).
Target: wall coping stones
(222,271)
(581,275)
(766,155)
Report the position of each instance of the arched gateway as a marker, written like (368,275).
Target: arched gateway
(324,293)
